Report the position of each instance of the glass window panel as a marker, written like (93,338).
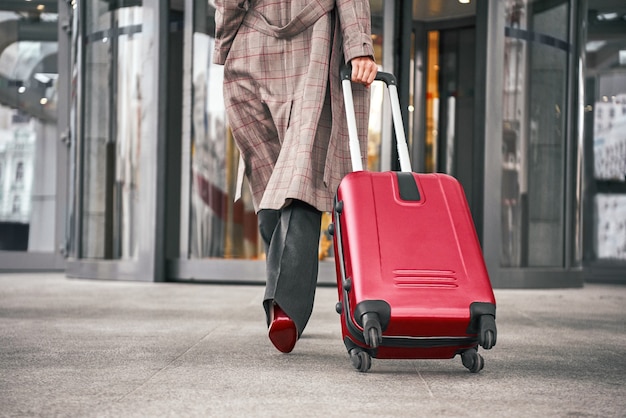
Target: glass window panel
(609,128)
(534,103)
(376,7)
(448,79)
(606,99)
(97,17)
(17,158)
(128,131)
(220,227)
(97,121)
(546,157)
(610,226)
(28,75)
(432,103)
(377,94)
(112,129)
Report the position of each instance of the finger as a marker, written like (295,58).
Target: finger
(372,75)
(357,72)
(363,75)
(369,74)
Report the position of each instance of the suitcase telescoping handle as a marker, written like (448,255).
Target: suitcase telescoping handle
(392,87)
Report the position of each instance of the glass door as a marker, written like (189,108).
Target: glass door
(535,134)
(31,156)
(123,53)
(450,146)
(112,129)
(219,237)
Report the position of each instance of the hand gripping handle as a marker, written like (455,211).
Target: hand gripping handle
(392,87)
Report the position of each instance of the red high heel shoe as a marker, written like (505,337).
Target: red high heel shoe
(282,332)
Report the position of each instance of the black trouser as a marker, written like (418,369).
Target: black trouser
(291,236)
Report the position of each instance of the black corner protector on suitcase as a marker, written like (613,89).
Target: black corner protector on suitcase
(408,187)
(368,307)
(483,323)
(478,309)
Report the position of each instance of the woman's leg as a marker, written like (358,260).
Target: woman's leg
(292,261)
(268,219)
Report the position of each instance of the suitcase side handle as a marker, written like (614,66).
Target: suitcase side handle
(392,88)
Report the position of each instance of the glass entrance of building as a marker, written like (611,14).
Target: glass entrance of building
(540,201)
(516,155)
(488,89)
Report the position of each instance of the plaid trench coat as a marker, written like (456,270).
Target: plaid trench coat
(283,94)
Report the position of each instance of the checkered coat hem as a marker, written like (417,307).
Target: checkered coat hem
(283,93)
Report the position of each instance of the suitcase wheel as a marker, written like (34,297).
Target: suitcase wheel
(488,332)
(472,360)
(372,330)
(373,335)
(361,360)
(488,340)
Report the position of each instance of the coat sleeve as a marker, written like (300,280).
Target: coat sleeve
(356,28)
(228,17)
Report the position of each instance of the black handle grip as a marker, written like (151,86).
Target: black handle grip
(388,78)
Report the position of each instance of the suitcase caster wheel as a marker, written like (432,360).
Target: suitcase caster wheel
(487,332)
(372,329)
(488,340)
(472,360)
(360,360)
(374,337)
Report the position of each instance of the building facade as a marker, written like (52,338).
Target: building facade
(133,168)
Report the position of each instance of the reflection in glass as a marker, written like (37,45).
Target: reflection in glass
(112,130)
(535,74)
(28,74)
(374,134)
(377,94)
(609,131)
(128,132)
(609,157)
(220,227)
(17,160)
(96,141)
(432,103)
(610,226)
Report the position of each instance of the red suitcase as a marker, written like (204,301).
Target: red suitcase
(411,276)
